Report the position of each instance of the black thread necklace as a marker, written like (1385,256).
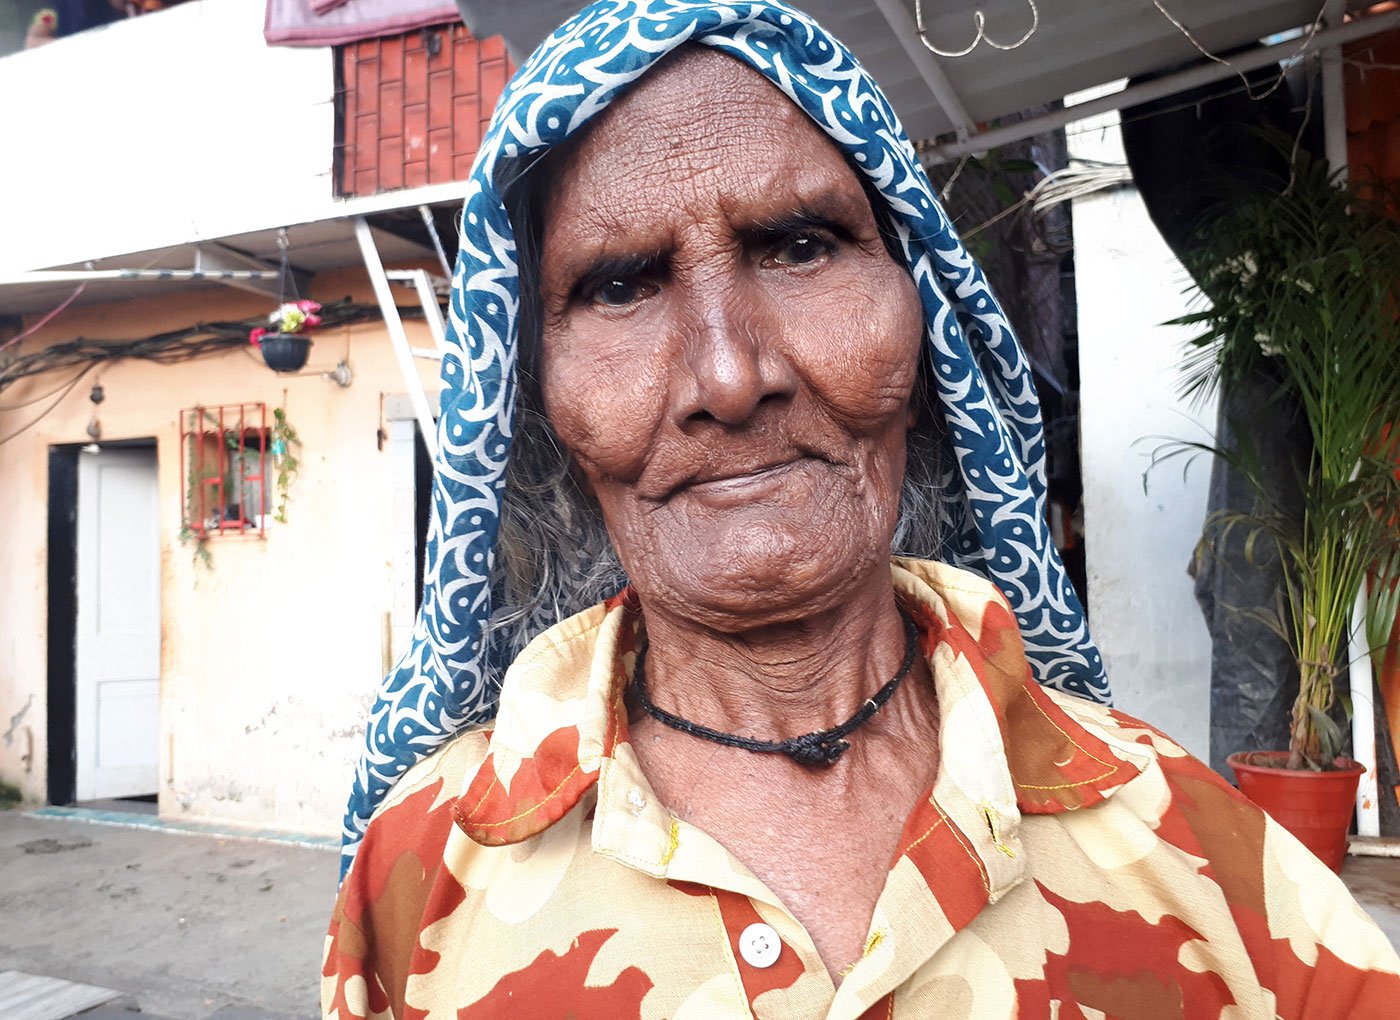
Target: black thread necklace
(823,747)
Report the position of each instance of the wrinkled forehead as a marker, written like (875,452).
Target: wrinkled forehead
(694,90)
(700,128)
(614,48)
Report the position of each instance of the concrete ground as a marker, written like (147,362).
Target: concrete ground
(187,927)
(1375,882)
(197,927)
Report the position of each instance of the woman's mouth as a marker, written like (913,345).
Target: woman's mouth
(744,485)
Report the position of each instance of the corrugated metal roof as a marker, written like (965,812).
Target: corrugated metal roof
(1078,44)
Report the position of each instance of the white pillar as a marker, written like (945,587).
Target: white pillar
(1363,720)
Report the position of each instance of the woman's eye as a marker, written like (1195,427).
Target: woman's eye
(617,293)
(800,249)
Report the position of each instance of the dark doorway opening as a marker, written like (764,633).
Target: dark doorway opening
(62,622)
(61,683)
(422,509)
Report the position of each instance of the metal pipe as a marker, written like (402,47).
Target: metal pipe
(1334,115)
(1363,720)
(427,297)
(926,63)
(397,336)
(1359,680)
(1202,74)
(427,215)
(148,275)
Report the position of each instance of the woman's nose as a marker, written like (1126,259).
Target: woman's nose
(733,363)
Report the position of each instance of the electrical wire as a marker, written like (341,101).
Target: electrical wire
(1246,87)
(1233,90)
(1090,128)
(32,400)
(1059,187)
(50,316)
(48,410)
(979,21)
(1308,37)
(45,320)
(957,172)
(200,340)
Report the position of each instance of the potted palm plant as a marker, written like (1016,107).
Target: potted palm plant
(286,343)
(1299,278)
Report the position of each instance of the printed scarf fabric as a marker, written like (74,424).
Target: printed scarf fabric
(994,443)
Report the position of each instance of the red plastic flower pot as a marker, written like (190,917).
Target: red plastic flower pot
(1314,806)
(285,352)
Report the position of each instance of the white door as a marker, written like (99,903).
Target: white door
(118,696)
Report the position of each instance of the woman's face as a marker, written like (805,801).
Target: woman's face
(728,349)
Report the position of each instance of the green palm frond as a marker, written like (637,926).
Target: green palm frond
(1300,280)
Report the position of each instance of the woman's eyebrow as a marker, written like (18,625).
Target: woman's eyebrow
(622,265)
(830,209)
(794,222)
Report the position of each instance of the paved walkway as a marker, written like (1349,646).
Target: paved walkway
(201,927)
(1375,882)
(187,927)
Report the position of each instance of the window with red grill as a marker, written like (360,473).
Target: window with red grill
(224,469)
(411,109)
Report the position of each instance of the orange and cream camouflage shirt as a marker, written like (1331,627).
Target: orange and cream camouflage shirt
(1068,862)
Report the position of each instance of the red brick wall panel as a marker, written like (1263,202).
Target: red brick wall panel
(440,152)
(494,76)
(366,140)
(415,75)
(415,133)
(390,59)
(391,112)
(389,163)
(466,71)
(366,79)
(466,126)
(412,108)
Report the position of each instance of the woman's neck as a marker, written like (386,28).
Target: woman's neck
(777,681)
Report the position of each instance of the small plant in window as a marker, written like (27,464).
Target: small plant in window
(285,446)
(199,472)
(224,473)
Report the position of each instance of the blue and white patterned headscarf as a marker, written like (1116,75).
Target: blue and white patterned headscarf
(994,441)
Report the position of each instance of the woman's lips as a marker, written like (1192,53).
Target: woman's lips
(743,487)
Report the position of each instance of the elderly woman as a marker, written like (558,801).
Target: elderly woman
(772,772)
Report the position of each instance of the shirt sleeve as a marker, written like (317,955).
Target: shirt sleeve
(1313,948)
(1321,956)
(396,886)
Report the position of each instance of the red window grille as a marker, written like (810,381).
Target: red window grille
(411,109)
(223,473)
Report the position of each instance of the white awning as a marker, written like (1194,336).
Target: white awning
(1076,45)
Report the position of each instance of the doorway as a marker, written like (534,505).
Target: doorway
(104,600)
(412,473)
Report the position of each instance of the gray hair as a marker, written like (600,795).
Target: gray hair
(553,555)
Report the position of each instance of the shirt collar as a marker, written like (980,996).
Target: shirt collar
(562,717)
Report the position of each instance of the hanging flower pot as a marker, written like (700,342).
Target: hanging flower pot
(285,352)
(286,345)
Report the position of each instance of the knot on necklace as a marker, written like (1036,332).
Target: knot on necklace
(815,748)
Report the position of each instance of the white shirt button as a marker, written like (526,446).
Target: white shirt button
(759,945)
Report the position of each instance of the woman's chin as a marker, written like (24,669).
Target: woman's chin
(756,575)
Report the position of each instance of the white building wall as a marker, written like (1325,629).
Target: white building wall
(160,130)
(1139,541)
